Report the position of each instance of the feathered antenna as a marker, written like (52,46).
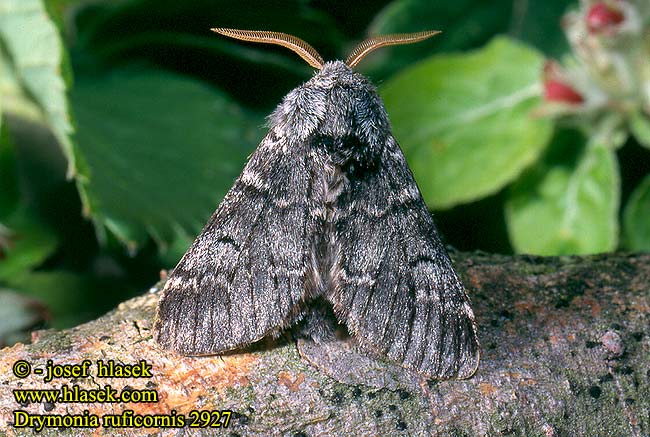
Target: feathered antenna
(304,50)
(365,47)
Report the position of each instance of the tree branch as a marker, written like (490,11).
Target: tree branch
(566,351)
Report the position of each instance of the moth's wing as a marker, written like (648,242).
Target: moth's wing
(243,277)
(396,288)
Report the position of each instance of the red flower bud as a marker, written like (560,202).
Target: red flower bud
(603,18)
(555,87)
(555,91)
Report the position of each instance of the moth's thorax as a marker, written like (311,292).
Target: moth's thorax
(337,104)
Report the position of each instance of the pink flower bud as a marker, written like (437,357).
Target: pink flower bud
(603,18)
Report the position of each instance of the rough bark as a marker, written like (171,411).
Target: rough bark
(566,351)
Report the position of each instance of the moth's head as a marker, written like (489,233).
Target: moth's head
(311,56)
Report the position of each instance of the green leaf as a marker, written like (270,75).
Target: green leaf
(25,242)
(35,53)
(636,218)
(464,120)
(8,178)
(12,97)
(467,24)
(640,127)
(540,24)
(175,35)
(159,151)
(464,24)
(567,207)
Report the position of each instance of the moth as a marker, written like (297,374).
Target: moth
(325,209)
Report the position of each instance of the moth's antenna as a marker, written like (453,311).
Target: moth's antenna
(304,50)
(365,47)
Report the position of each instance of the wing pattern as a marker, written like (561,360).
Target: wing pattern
(244,276)
(397,290)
